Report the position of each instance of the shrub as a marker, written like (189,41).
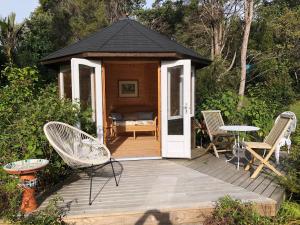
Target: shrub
(289,213)
(10,197)
(255,111)
(51,215)
(24,108)
(291,181)
(232,212)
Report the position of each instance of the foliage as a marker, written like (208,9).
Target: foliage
(291,181)
(214,78)
(255,111)
(9,35)
(289,213)
(10,196)
(164,17)
(269,79)
(52,214)
(276,34)
(233,212)
(37,39)
(25,108)
(117,9)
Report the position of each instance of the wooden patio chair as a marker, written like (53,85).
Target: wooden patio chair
(220,140)
(269,144)
(78,149)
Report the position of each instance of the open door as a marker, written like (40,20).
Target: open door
(176,108)
(87,88)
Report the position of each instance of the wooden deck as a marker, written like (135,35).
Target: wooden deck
(162,192)
(128,147)
(264,184)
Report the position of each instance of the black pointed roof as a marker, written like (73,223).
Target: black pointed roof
(126,36)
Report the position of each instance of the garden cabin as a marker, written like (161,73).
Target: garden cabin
(140,86)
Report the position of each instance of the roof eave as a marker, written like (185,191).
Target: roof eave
(170,55)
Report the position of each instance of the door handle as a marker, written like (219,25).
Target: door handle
(186,108)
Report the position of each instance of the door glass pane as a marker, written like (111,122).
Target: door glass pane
(175,100)
(85,86)
(67,84)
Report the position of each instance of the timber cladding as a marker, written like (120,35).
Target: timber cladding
(145,74)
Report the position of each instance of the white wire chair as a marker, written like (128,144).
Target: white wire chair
(78,149)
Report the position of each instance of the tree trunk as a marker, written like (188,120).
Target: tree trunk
(247,20)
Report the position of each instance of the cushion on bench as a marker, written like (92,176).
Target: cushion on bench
(133,122)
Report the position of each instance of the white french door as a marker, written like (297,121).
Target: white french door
(176,86)
(87,88)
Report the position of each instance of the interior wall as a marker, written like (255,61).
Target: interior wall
(145,74)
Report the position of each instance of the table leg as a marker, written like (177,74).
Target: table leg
(238,151)
(233,155)
(134,135)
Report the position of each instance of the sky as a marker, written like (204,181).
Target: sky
(23,8)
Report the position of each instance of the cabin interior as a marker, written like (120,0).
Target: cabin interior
(135,132)
(131,116)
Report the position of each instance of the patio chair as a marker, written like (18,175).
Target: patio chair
(78,149)
(270,144)
(220,140)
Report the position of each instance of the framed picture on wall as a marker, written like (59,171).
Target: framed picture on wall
(128,88)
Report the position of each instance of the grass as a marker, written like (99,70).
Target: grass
(296,108)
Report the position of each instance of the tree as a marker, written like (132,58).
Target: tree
(9,35)
(116,9)
(37,39)
(164,17)
(248,15)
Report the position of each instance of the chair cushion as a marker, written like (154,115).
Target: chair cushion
(130,116)
(145,115)
(116,116)
(125,123)
(144,122)
(133,122)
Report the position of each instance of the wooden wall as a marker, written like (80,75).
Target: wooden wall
(145,74)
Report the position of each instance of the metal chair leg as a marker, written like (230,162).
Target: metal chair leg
(114,172)
(91,184)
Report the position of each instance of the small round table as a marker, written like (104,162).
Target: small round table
(236,129)
(27,170)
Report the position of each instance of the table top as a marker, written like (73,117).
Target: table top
(244,128)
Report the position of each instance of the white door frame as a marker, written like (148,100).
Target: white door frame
(96,92)
(176,146)
(62,70)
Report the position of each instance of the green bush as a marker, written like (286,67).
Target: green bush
(51,215)
(291,181)
(255,111)
(10,197)
(289,213)
(270,81)
(24,109)
(233,212)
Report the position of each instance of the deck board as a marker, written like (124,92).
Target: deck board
(264,184)
(182,190)
(156,186)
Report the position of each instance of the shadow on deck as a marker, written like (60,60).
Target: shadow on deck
(162,192)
